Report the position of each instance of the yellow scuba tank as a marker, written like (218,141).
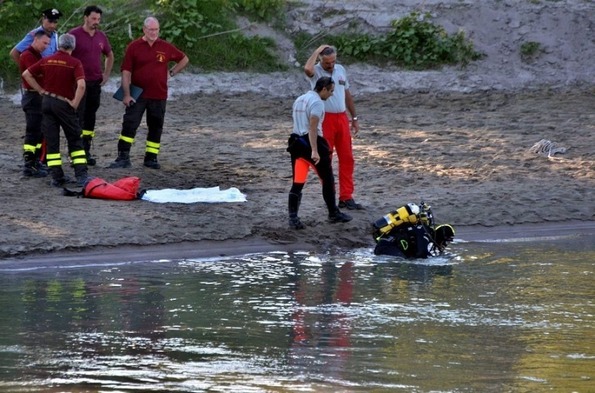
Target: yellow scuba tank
(404,214)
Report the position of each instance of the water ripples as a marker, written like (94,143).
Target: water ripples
(303,322)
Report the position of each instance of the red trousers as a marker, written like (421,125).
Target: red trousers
(335,129)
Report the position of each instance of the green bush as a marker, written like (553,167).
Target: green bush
(261,9)
(205,30)
(414,43)
(530,50)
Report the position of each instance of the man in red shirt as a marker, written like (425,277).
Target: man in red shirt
(91,45)
(31,104)
(145,65)
(62,88)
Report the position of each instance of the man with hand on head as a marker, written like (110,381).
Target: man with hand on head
(91,45)
(309,149)
(145,65)
(335,128)
(49,24)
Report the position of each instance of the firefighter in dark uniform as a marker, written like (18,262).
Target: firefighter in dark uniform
(31,104)
(62,88)
(145,65)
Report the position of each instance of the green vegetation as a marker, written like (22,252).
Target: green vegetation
(414,43)
(530,50)
(205,30)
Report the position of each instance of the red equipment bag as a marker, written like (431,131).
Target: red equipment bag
(125,189)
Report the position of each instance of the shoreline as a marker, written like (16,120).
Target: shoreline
(467,155)
(86,256)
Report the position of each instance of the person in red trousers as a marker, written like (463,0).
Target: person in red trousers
(335,128)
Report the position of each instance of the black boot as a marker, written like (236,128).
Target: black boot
(32,168)
(293,205)
(338,216)
(58,177)
(91,161)
(81,173)
(151,161)
(123,160)
(40,161)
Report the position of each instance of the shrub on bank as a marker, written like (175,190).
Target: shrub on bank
(414,43)
(205,30)
(208,33)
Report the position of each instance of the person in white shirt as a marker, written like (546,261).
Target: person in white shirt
(309,149)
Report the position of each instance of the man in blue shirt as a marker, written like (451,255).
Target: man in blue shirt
(49,23)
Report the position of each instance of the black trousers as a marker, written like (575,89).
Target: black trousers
(31,104)
(89,106)
(299,147)
(56,114)
(155,110)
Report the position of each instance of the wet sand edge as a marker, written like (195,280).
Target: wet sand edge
(234,247)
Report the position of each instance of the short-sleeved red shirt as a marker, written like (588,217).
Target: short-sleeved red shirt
(89,49)
(60,73)
(148,65)
(29,57)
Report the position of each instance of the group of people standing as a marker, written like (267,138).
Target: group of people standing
(62,80)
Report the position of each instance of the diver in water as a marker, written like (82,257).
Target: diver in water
(410,232)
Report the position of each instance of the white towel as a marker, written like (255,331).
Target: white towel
(194,195)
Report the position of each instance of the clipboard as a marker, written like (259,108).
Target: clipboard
(135,92)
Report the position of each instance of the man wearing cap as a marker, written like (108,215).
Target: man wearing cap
(91,45)
(49,24)
(63,88)
(31,104)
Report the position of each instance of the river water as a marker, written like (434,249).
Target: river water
(489,317)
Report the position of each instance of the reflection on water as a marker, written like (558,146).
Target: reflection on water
(492,317)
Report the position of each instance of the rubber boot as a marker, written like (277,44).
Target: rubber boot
(293,206)
(81,173)
(123,160)
(151,161)
(91,161)
(39,160)
(31,168)
(58,178)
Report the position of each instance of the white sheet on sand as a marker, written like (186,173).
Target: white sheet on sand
(194,195)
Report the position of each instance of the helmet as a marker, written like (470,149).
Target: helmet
(413,208)
(444,233)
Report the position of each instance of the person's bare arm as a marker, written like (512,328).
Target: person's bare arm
(309,66)
(313,137)
(78,95)
(179,66)
(125,83)
(107,68)
(32,82)
(351,108)
(15,54)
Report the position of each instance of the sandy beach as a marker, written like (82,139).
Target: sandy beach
(462,148)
